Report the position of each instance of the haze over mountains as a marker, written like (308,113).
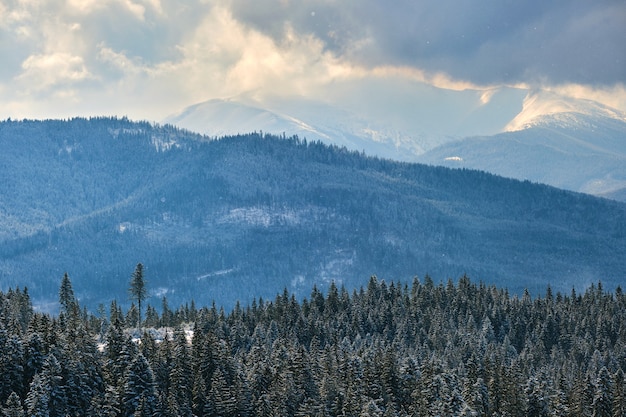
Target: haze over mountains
(246,216)
(540,136)
(390,118)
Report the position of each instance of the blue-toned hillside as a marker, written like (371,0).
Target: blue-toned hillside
(246,216)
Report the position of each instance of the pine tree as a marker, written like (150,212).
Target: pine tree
(152,317)
(221,395)
(309,408)
(53,373)
(181,375)
(162,368)
(34,359)
(118,354)
(390,380)
(13,407)
(559,404)
(245,400)
(38,399)
(11,365)
(139,389)
(46,396)
(513,395)
(263,406)
(619,394)
(145,407)
(536,403)
(148,347)
(105,404)
(5,382)
(478,398)
(82,382)
(603,397)
(372,409)
(199,395)
(132,315)
(68,302)
(582,396)
(167,317)
(137,290)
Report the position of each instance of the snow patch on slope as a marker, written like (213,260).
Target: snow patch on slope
(266,216)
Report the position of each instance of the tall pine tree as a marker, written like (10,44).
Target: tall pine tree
(137,290)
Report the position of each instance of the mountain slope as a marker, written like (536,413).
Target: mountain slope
(395,119)
(246,216)
(568,150)
(544,108)
(324,123)
(568,143)
(219,118)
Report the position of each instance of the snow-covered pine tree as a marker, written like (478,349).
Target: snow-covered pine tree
(619,394)
(181,375)
(139,389)
(13,407)
(46,397)
(602,405)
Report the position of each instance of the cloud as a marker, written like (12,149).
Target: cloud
(224,58)
(149,58)
(485,42)
(614,97)
(217,56)
(42,72)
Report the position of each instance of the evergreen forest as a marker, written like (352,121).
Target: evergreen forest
(387,349)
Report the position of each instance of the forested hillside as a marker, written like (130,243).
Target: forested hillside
(388,349)
(246,216)
(567,150)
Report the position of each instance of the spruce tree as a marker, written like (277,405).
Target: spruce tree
(221,395)
(619,394)
(38,399)
(13,407)
(137,290)
(603,396)
(11,369)
(115,360)
(139,388)
(46,396)
(181,375)
(68,302)
(536,403)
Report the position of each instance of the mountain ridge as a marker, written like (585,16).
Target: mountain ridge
(555,122)
(567,150)
(543,108)
(245,216)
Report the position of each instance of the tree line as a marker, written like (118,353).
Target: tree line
(426,349)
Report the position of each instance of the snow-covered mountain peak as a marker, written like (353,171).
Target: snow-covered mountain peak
(309,119)
(222,117)
(548,108)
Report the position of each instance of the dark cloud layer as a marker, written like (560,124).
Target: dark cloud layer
(484,41)
(151,57)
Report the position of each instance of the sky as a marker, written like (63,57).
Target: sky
(147,59)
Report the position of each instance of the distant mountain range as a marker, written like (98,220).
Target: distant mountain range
(576,148)
(578,145)
(248,215)
(324,123)
(397,120)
